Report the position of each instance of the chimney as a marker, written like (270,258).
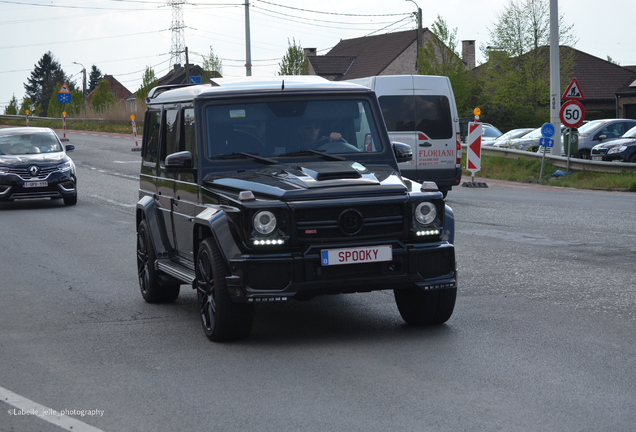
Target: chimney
(468,53)
(309,52)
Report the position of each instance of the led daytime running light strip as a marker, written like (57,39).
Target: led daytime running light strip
(268,242)
(434,232)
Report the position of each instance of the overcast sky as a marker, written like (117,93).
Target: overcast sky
(122,37)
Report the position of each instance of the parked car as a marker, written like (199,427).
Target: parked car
(505,140)
(530,141)
(34,164)
(237,203)
(489,134)
(600,131)
(622,149)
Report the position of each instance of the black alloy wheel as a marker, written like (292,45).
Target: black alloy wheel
(152,288)
(222,319)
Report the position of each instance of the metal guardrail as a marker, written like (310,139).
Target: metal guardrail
(21,117)
(561,161)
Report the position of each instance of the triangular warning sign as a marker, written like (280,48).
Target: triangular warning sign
(64,89)
(573,92)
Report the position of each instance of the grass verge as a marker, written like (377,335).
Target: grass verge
(525,170)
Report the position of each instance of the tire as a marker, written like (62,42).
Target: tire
(72,200)
(222,319)
(584,154)
(421,308)
(632,158)
(153,290)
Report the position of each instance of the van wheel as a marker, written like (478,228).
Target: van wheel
(152,288)
(421,308)
(222,319)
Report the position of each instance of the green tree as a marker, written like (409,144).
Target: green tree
(517,73)
(27,104)
(12,108)
(212,66)
(93,79)
(294,61)
(439,56)
(46,75)
(148,81)
(102,97)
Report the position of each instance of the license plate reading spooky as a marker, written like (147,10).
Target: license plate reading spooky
(36,184)
(356,255)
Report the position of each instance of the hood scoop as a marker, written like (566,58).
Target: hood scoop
(336,172)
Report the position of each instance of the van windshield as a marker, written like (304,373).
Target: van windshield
(428,114)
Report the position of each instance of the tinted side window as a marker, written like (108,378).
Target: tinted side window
(151,136)
(171,138)
(428,114)
(188,136)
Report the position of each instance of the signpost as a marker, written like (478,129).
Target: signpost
(572,112)
(547,132)
(64,94)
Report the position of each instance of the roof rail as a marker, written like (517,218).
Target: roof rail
(156,91)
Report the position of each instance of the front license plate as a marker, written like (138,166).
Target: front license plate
(33,184)
(597,158)
(356,255)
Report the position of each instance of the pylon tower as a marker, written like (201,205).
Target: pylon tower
(177,46)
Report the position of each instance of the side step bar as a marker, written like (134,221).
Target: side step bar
(186,275)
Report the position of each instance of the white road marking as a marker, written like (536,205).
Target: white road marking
(26,407)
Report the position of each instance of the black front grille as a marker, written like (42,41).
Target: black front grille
(323,222)
(599,151)
(26,175)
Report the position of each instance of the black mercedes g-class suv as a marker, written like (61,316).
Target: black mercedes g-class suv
(283,189)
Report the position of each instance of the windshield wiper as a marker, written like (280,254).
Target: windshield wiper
(254,156)
(320,153)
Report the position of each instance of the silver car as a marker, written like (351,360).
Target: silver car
(600,131)
(505,140)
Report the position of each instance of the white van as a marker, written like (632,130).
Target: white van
(420,110)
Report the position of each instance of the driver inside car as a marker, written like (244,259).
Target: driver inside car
(309,136)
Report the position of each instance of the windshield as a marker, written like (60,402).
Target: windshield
(29,143)
(591,126)
(290,128)
(630,133)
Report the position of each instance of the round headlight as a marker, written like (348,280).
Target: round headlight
(264,222)
(425,213)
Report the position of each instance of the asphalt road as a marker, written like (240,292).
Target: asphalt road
(542,338)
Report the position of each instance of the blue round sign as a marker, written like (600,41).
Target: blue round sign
(547,130)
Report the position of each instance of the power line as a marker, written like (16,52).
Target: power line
(331,13)
(83,40)
(68,6)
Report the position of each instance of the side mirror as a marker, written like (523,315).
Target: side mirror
(179,160)
(403,152)
(602,137)
(70,147)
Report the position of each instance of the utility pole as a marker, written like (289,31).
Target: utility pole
(555,76)
(187,67)
(248,49)
(178,38)
(420,42)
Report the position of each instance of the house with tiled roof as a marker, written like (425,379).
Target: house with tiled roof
(385,54)
(115,88)
(605,85)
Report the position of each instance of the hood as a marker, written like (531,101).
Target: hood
(30,159)
(311,180)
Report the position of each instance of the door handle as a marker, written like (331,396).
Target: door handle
(426,144)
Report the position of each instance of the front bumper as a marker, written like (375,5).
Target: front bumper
(59,185)
(281,277)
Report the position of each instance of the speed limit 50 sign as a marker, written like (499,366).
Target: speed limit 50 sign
(572,114)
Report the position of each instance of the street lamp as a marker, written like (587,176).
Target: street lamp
(419,28)
(84,81)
